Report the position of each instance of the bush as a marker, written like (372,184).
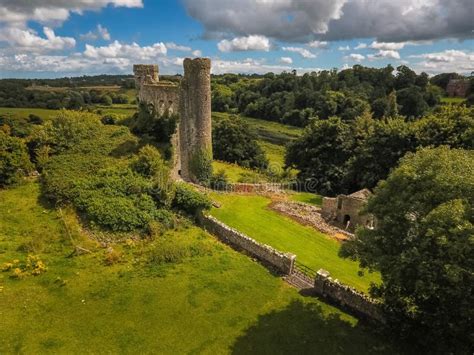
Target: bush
(66,130)
(118,199)
(189,200)
(219,181)
(149,164)
(14,160)
(147,121)
(35,119)
(109,119)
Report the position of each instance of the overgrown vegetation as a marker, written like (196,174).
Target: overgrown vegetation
(99,169)
(14,159)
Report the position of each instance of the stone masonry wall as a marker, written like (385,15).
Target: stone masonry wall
(195,111)
(347,297)
(282,261)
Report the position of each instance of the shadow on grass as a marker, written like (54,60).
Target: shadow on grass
(303,328)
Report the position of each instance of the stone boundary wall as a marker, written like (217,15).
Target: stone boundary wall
(256,188)
(348,297)
(282,261)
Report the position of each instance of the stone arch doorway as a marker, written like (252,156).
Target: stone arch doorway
(347,221)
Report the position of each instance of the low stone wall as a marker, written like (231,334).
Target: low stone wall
(282,261)
(348,297)
(256,188)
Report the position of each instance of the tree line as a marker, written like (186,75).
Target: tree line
(295,100)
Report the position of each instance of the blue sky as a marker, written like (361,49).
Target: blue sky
(52,38)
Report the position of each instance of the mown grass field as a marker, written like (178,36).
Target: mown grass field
(221,302)
(251,215)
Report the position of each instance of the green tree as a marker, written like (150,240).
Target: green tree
(234,141)
(378,151)
(321,155)
(14,159)
(423,247)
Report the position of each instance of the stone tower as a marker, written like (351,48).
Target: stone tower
(192,142)
(195,114)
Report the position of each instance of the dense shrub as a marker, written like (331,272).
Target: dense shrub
(118,199)
(147,121)
(233,141)
(189,200)
(109,119)
(18,126)
(150,164)
(14,159)
(66,130)
(219,181)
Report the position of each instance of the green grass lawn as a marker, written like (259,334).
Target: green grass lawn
(251,215)
(220,302)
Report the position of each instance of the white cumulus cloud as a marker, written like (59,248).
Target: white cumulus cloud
(286,60)
(301,51)
(450,60)
(356,57)
(318,44)
(122,50)
(248,43)
(381,54)
(29,41)
(99,33)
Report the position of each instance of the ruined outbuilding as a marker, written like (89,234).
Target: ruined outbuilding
(191,101)
(345,211)
(457,88)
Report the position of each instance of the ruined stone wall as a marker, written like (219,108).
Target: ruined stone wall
(328,208)
(145,74)
(195,112)
(163,96)
(282,261)
(350,207)
(458,87)
(348,297)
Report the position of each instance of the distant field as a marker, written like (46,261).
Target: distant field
(453,100)
(251,215)
(67,88)
(268,131)
(218,303)
(124,110)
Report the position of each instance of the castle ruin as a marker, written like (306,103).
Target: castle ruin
(345,211)
(191,101)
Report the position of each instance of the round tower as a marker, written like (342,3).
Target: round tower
(195,120)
